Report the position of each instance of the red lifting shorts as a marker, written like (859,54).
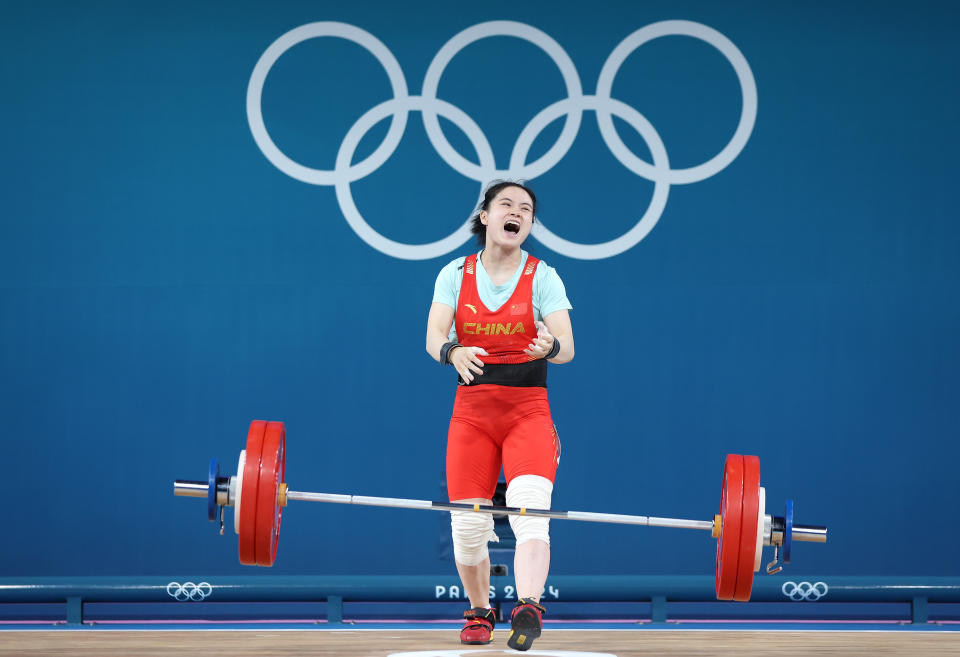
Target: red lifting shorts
(494,425)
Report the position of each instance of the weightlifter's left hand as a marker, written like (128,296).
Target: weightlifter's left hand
(543,343)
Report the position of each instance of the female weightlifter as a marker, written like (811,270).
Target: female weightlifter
(498,317)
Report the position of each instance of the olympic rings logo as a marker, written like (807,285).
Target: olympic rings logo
(430,107)
(189,591)
(804,591)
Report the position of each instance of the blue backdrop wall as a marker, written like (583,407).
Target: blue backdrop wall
(779,273)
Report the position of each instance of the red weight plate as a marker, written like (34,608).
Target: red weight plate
(272,465)
(248,494)
(731,510)
(748,528)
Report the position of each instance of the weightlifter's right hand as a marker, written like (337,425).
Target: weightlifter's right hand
(467,361)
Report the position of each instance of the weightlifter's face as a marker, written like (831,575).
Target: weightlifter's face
(509,218)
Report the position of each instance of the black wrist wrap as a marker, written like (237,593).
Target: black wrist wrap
(445,352)
(555,350)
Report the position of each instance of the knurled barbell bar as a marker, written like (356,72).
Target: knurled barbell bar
(258,494)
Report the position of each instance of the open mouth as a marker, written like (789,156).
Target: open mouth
(512,226)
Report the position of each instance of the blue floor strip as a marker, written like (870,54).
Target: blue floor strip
(448,627)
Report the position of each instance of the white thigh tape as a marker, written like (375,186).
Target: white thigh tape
(530,492)
(471,533)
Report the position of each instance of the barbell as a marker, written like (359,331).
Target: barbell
(258,494)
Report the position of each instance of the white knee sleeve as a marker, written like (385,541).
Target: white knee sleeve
(531,492)
(471,533)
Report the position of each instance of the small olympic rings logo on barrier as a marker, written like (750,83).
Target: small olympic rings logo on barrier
(805,591)
(189,591)
(602,103)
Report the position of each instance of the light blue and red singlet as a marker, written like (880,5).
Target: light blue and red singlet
(503,416)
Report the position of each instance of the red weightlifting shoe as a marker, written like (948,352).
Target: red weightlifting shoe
(478,629)
(526,623)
